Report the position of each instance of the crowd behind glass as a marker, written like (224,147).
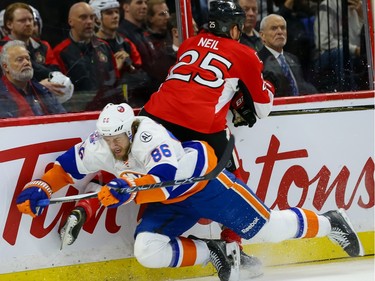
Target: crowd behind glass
(122,51)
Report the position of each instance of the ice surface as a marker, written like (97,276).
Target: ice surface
(350,269)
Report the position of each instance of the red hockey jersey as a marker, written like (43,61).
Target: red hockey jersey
(200,86)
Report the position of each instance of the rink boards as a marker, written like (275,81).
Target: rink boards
(316,154)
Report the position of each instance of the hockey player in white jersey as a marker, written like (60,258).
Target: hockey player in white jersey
(139,151)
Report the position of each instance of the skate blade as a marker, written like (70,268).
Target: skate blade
(233,250)
(66,236)
(344,215)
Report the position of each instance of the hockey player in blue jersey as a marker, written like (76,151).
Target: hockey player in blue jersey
(139,151)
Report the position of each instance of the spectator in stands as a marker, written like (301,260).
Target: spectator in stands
(157,32)
(157,21)
(328,28)
(128,59)
(108,18)
(20,95)
(88,61)
(19,24)
(38,23)
(299,16)
(250,36)
(168,54)
(280,67)
(172,32)
(133,27)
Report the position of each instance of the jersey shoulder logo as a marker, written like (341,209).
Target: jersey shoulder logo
(94,137)
(146,136)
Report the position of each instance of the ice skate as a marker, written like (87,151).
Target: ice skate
(69,232)
(225,257)
(343,233)
(250,266)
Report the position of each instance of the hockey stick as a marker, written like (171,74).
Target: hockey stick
(322,110)
(209,176)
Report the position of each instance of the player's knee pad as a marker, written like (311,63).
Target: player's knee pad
(152,250)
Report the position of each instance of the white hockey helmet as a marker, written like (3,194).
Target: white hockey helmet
(58,77)
(2,27)
(37,18)
(102,5)
(116,119)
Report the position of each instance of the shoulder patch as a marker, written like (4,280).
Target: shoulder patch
(94,137)
(145,136)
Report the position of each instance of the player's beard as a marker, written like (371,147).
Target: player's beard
(24,75)
(119,154)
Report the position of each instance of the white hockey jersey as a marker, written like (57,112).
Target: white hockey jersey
(154,153)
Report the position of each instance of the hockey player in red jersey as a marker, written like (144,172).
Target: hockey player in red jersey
(139,152)
(212,68)
(214,73)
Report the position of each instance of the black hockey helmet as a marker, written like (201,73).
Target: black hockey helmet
(223,15)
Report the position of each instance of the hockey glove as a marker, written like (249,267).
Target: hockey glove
(237,119)
(243,112)
(27,200)
(114,193)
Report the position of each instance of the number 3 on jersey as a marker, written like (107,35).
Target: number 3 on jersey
(158,153)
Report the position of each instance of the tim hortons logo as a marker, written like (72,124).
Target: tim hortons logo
(326,186)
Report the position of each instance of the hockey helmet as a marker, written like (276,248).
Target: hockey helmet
(223,15)
(102,5)
(58,77)
(37,18)
(116,119)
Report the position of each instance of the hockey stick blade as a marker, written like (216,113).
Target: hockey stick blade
(209,176)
